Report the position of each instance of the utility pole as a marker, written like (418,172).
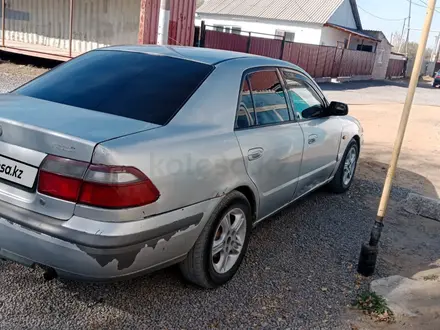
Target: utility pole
(437,49)
(368,255)
(164,22)
(409,27)
(401,36)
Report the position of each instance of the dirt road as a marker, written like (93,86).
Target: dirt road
(408,243)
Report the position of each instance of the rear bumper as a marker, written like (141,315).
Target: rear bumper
(120,250)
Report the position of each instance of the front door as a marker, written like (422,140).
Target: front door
(270,139)
(322,134)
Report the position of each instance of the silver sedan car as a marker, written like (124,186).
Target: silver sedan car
(129,159)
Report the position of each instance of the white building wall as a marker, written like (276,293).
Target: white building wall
(331,36)
(343,16)
(383,54)
(96,23)
(304,32)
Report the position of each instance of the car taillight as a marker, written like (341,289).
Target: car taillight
(103,186)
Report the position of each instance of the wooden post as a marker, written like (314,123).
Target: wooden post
(3,21)
(340,63)
(70,28)
(349,40)
(368,256)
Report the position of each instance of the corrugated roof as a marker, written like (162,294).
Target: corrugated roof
(310,11)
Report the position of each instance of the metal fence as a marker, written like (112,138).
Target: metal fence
(396,68)
(318,61)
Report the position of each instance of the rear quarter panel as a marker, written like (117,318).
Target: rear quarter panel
(196,157)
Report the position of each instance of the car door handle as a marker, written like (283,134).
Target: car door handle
(313,138)
(255,153)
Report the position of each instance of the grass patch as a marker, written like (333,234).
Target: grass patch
(375,306)
(431,277)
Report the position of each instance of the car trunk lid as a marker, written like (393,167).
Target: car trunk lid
(31,129)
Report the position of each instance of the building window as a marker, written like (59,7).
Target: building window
(365,48)
(290,36)
(236,30)
(218,28)
(227,29)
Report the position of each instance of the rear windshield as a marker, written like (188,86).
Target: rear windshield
(145,87)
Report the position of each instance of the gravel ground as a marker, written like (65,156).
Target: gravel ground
(13,75)
(299,273)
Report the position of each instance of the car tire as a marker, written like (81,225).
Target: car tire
(341,182)
(200,266)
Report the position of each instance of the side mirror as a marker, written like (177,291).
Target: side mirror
(315,111)
(337,109)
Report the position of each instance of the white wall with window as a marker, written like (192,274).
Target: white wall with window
(296,31)
(337,38)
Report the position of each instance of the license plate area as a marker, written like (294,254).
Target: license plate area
(14,171)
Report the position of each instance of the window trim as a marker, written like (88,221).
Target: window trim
(246,79)
(309,83)
(245,76)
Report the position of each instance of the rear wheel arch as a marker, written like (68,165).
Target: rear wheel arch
(250,196)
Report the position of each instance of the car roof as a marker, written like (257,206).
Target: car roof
(204,55)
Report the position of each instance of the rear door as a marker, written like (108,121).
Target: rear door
(270,139)
(322,133)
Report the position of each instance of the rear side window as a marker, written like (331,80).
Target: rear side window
(269,99)
(140,86)
(246,113)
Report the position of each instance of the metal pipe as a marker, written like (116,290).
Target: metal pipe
(70,28)
(164,22)
(406,111)
(3,21)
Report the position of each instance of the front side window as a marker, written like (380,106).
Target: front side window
(135,85)
(268,96)
(303,97)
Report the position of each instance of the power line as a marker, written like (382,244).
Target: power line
(417,4)
(382,18)
(426,5)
